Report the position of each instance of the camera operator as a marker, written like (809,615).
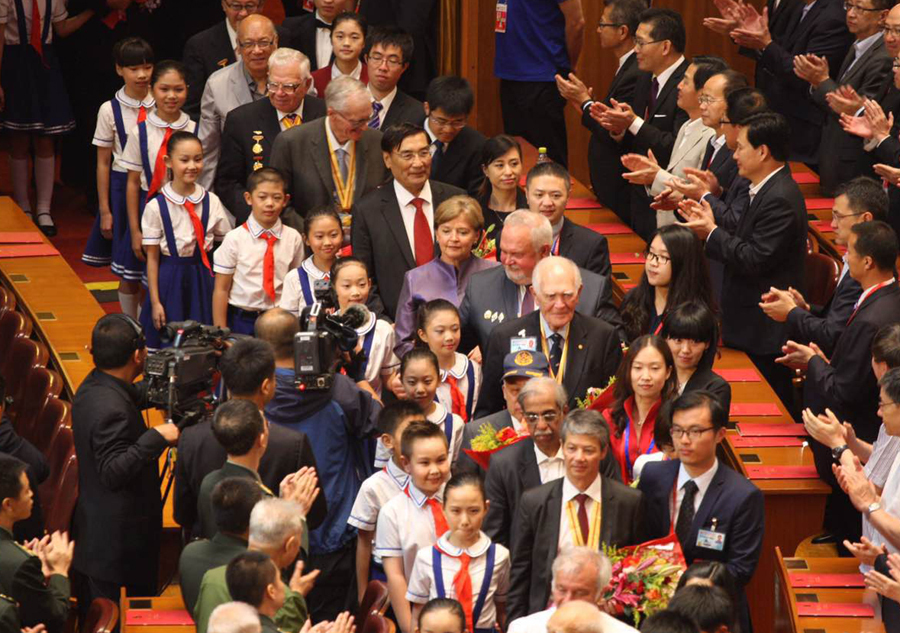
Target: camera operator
(118,517)
(248,371)
(338,422)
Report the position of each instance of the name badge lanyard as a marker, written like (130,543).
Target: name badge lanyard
(628,466)
(593,540)
(545,346)
(343,189)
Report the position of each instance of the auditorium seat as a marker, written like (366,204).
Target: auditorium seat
(62,448)
(54,414)
(7,300)
(812,244)
(41,383)
(24,354)
(102,617)
(59,515)
(822,274)
(12,325)
(376,623)
(375,600)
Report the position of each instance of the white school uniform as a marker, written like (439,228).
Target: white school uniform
(217,225)
(382,362)
(292,298)
(106,134)
(374,494)
(405,525)
(438,416)
(131,159)
(460,371)
(10,16)
(421,586)
(242,255)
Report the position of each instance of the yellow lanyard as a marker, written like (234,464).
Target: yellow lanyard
(344,189)
(545,346)
(575,527)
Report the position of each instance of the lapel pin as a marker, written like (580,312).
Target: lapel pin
(257,148)
(580,346)
(487,314)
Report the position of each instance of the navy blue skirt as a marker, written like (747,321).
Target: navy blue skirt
(125,264)
(98,251)
(185,290)
(36,98)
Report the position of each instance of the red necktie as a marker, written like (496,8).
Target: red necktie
(422,235)
(35,37)
(456,397)
(437,513)
(527,302)
(199,234)
(159,169)
(269,264)
(462,585)
(142,114)
(583,517)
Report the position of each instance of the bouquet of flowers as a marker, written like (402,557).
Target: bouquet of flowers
(489,440)
(486,249)
(598,399)
(644,577)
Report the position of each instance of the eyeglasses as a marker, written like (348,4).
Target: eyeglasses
(656,258)
(837,215)
(237,7)
(548,416)
(892,31)
(287,89)
(423,154)
(642,43)
(456,124)
(694,433)
(250,44)
(392,61)
(706,99)
(354,123)
(614,25)
(848,7)
(884,405)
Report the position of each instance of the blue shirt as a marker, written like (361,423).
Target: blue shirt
(534,45)
(337,424)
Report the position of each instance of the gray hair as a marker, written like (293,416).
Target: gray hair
(274,520)
(554,263)
(544,383)
(541,231)
(341,90)
(287,56)
(586,422)
(572,560)
(234,617)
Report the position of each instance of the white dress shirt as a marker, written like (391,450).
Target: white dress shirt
(550,468)
(408,210)
(232,36)
(569,492)
(662,78)
(323,44)
(702,482)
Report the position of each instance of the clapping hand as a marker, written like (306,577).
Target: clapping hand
(303,584)
(891,175)
(642,169)
(699,216)
(811,68)
(615,118)
(853,481)
(777,304)
(844,100)
(301,487)
(730,20)
(826,429)
(796,356)
(865,551)
(753,31)
(573,90)
(667,200)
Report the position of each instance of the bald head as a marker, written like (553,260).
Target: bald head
(892,31)
(576,616)
(234,617)
(278,327)
(257,40)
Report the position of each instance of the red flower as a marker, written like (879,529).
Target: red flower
(507,434)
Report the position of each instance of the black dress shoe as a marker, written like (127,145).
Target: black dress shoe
(47,229)
(824,539)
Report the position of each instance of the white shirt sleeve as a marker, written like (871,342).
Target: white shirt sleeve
(419,586)
(225,257)
(636,125)
(105,132)
(292,293)
(364,513)
(131,155)
(218,225)
(389,361)
(151,225)
(387,533)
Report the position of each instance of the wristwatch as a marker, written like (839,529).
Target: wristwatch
(837,451)
(873,507)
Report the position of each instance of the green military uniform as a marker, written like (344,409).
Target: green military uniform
(22,579)
(9,615)
(199,557)
(268,625)
(214,591)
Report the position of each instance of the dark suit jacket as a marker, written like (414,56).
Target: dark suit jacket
(847,385)
(825,329)
(707,380)
(839,152)
(200,454)
(205,53)
(199,557)
(723,166)
(301,154)
(208,527)
(888,152)
(587,248)
(767,248)
(404,109)
(460,165)
(780,19)
(593,356)
(237,158)
(823,32)
(300,31)
(380,240)
(603,152)
(537,538)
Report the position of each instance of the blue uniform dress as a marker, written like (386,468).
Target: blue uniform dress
(185,284)
(36,98)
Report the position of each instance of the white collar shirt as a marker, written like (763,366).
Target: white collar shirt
(550,468)
(408,210)
(323,44)
(569,492)
(703,482)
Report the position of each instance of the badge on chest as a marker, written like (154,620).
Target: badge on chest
(712,538)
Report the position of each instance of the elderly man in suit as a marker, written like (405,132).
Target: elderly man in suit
(763,248)
(233,86)
(250,129)
(393,226)
(390,50)
(718,513)
(583,351)
(502,293)
(310,33)
(547,189)
(616,29)
(532,461)
(583,508)
(214,49)
(864,69)
(336,159)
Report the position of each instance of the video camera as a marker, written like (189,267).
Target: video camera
(324,338)
(181,376)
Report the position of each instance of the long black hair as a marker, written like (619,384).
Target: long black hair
(623,388)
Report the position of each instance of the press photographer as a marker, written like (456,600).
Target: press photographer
(118,518)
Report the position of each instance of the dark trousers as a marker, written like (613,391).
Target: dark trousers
(841,518)
(536,111)
(335,588)
(780,378)
(86,589)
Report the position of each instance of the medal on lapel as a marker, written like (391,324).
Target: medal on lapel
(257,148)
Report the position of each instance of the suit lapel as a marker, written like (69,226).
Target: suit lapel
(362,154)
(390,209)
(666,90)
(554,500)
(860,65)
(238,85)
(529,473)
(710,499)
(683,144)
(629,62)
(577,354)
(270,125)
(510,293)
(607,512)
(322,157)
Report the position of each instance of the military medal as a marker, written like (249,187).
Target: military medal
(257,148)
